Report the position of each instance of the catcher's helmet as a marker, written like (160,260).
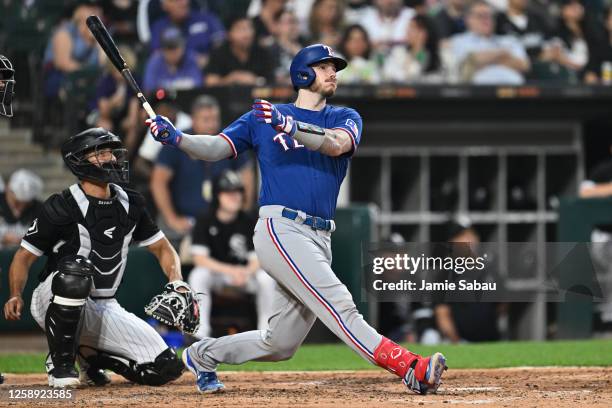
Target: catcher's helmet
(302,74)
(7,86)
(77,150)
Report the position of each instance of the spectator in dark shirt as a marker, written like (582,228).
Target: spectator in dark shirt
(530,28)
(240,60)
(578,34)
(266,22)
(601,54)
(121,17)
(181,186)
(173,67)
(202,31)
(451,19)
(286,44)
(467,321)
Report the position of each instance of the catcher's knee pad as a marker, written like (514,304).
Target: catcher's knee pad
(70,287)
(166,367)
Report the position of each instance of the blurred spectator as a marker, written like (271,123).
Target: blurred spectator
(18,206)
(266,22)
(417,60)
(450,20)
(484,58)
(72,49)
(599,185)
(173,67)
(121,17)
(223,253)
(386,22)
(286,44)
(117,105)
(529,27)
(240,60)
(357,50)
(467,321)
(326,21)
(578,33)
(202,31)
(600,55)
(180,185)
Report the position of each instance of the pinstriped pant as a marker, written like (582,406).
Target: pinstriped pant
(106,326)
(299,259)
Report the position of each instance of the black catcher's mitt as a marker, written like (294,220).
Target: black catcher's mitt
(176,308)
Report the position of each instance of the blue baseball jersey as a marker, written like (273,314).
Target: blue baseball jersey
(292,175)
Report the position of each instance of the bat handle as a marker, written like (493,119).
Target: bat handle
(147,107)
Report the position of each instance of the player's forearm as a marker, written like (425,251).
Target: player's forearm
(327,141)
(206,147)
(596,190)
(18,271)
(168,259)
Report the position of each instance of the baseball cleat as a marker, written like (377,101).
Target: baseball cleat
(94,377)
(59,378)
(206,381)
(432,379)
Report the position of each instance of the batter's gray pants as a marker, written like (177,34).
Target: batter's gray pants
(299,259)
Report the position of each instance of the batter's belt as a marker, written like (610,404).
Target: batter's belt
(316,223)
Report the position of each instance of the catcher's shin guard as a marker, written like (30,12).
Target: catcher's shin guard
(70,288)
(166,367)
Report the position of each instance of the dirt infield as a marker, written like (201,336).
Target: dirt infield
(517,387)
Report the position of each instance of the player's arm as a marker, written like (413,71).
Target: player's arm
(331,142)
(201,147)
(168,259)
(18,276)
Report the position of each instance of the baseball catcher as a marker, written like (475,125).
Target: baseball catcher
(85,232)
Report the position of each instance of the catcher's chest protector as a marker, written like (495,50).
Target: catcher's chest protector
(105,229)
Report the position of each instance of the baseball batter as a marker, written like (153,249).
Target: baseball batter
(303,150)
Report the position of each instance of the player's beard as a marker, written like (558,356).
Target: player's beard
(322,89)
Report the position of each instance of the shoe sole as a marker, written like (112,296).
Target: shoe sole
(437,366)
(186,360)
(68,382)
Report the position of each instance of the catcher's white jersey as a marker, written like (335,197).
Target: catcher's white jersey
(106,326)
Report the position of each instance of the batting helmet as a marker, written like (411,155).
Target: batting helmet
(7,86)
(302,74)
(75,153)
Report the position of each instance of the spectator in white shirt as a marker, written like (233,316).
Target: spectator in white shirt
(357,49)
(484,58)
(386,22)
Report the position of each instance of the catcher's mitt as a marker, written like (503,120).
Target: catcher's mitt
(174,308)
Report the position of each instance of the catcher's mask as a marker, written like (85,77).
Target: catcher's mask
(97,155)
(7,86)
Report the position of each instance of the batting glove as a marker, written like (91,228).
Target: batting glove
(267,113)
(161,125)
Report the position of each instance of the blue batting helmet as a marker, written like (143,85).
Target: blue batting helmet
(302,75)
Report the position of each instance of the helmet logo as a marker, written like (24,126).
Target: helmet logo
(329,50)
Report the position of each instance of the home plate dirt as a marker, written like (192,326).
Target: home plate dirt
(515,388)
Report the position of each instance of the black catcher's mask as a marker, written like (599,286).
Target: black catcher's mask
(7,86)
(97,155)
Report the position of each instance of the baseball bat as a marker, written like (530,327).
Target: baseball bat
(109,47)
